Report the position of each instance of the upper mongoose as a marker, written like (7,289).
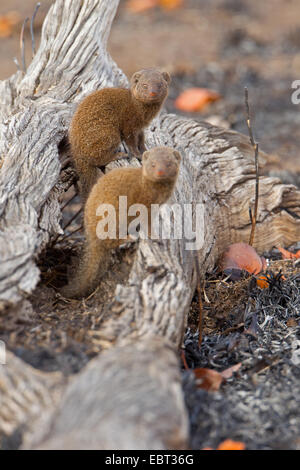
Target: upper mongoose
(151,184)
(111,115)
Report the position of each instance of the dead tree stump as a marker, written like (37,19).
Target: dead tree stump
(130,396)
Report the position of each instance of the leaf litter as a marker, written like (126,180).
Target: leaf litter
(256,332)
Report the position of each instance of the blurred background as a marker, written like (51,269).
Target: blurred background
(213,49)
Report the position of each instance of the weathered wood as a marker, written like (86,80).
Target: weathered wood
(26,395)
(135,403)
(35,112)
(138,378)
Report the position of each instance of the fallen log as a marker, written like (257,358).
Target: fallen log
(130,396)
(27,395)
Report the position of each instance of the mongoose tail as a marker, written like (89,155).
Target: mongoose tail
(89,176)
(92,266)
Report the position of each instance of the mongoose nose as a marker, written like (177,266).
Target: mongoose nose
(153,93)
(160,172)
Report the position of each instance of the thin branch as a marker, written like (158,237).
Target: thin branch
(31,28)
(200,305)
(72,219)
(22,45)
(69,201)
(248,117)
(253,216)
(54,241)
(70,234)
(184,361)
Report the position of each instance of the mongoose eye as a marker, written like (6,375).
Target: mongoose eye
(145,86)
(153,164)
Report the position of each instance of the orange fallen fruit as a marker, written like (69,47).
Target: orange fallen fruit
(196,99)
(241,257)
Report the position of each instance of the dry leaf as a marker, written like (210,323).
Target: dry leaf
(196,99)
(228,444)
(288,254)
(138,6)
(265,280)
(262,281)
(253,329)
(243,257)
(208,379)
(227,373)
(291,322)
(170,4)
(7,22)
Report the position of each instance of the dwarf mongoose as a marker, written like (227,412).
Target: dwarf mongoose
(153,183)
(111,115)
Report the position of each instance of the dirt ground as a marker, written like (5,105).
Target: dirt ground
(224,45)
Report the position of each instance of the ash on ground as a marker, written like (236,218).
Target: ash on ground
(260,403)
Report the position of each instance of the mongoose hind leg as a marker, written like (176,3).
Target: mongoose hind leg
(141,143)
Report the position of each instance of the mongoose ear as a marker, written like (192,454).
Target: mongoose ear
(177,156)
(135,77)
(167,77)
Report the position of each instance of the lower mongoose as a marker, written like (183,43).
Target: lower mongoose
(153,183)
(109,116)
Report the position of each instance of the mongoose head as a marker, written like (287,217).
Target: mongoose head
(150,85)
(161,164)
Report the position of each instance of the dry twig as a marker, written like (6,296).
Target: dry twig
(31,28)
(199,284)
(253,216)
(22,45)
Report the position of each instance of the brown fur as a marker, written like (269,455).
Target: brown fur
(151,184)
(108,116)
